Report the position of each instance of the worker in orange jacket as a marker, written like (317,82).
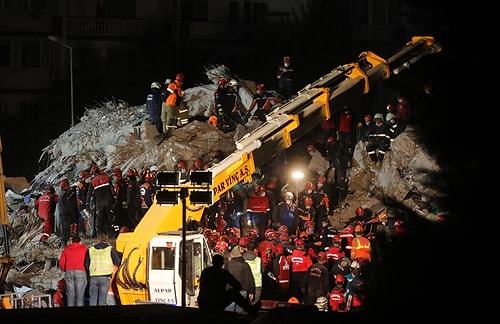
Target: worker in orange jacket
(361,247)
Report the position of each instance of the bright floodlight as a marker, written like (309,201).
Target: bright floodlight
(298,175)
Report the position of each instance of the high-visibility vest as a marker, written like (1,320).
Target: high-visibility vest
(101,263)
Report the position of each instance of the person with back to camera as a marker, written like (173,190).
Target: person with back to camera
(213,294)
(173,102)
(153,103)
(72,262)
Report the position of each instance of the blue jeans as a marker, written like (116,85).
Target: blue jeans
(98,290)
(76,282)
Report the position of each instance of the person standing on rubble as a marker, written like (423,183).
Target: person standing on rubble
(101,190)
(153,103)
(68,211)
(286,78)
(72,262)
(46,207)
(172,104)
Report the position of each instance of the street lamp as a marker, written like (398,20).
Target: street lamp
(298,175)
(58,41)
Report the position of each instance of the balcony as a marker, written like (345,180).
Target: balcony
(114,28)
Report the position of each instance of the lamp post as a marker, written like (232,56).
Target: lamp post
(58,41)
(297,175)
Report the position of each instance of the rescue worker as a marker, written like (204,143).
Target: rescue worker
(68,211)
(100,261)
(101,190)
(281,270)
(355,295)
(134,211)
(378,140)
(120,190)
(300,261)
(46,207)
(153,104)
(285,214)
(82,188)
(317,280)
(262,102)
(336,296)
(361,246)
(286,78)
(256,264)
(220,96)
(258,211)
(172,104)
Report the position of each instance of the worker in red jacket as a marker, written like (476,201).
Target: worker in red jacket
(46,206)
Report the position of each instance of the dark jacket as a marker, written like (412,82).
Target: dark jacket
(238,267)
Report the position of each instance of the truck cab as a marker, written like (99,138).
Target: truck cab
(165,266)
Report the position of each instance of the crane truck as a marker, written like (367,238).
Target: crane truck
(156,255)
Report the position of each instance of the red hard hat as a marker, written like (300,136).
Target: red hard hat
(84,175)
(311,148)
(322,179)
(124,229)
(299,242)
(279,249)
(339,278)
(308,201)
(309,186)
(198,163)
(284,237)
(360,211)
(283,229)
(252,234)
(269,233)
(179,77)
(64,183)
(244,241)
(223,81)
(358,229)
(221,246)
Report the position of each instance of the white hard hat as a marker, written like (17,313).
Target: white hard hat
(153,168)
(155,85)
(233,83)
(355,264)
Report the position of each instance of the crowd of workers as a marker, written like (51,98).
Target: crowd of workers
(304,259)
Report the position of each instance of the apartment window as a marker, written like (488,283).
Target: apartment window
(33,53)
(5,53)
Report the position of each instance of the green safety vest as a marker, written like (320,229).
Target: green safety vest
(101,263)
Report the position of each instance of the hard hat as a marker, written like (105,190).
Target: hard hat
(299,242)
(360,211)
(284,237)
(286,59)
(252,234)
(179,77)
(221,246)
(153,168)
(94,169)
(289,195)
(336,238)
(358,229)
(322,255)
(233,83)
(311,148)
(283,229)
(309,186)
(368,118)
(321,302)
(223,81)
(244,240)
(84,175)
(181,164)
(155,85)
(168,81)
(261,87)
(198,163)
(330,140)
(355,264)
(293,300)
(389,107)
(117,171)
(271,185)
(378,116)
(279,249)
(269,233)
(390,116)
(339,278)
(131,172)
(322,179)
(124,229)
(64,183)
(308,201)
(207,232)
